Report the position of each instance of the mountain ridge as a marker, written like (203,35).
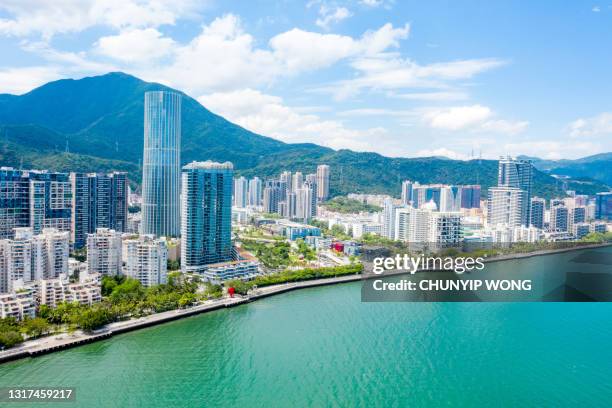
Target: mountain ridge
(96,123)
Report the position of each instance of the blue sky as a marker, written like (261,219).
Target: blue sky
(402,78)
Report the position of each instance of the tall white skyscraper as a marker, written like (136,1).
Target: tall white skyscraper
(255,192)
(241,187)
(323,182)
(161,172)
(515,173)
(297,181)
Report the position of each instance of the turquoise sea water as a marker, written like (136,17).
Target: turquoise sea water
(324,347)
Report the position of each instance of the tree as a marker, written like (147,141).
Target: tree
(35,327)
(10,338)
(129,290)
(187,299)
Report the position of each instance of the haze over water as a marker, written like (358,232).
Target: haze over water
(324,347)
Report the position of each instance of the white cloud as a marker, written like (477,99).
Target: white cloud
(473,117)
(21,80)
(135,45)
(596,9)
(457,117)
(47,18)
(389,72)
(431,96)
(371,3)
(302,50)
(599,125)
(505,126)
(268,115)
(444,152)
(329,16)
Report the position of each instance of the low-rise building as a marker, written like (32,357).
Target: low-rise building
(19,305)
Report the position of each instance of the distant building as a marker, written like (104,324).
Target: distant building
(581,230)
(146,259)
(470,196)
(559,215)
(516,173)
(406,192)
(161,171)
(255,192)
(603,206)
(323,182)
(505,205)
(104,252)
(206,215)
(538,208)
(241,187)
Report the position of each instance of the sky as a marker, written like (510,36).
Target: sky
(407,78)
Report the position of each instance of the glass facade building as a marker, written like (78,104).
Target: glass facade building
(206,222)
(161,164)
(98,201)
(36,199)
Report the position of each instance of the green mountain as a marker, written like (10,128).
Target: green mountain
(96,123)
(597,167)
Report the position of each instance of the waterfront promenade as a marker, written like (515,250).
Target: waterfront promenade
(48,344)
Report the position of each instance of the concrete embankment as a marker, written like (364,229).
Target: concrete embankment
(49,344)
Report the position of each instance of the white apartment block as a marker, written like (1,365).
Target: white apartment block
(146,259)
(104,252)
(19,305)
(30,257)
(52,292)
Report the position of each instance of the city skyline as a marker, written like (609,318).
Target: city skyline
(399,79)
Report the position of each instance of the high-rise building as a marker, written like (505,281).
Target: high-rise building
(450,199)
(470,196)
(505,205)
(146,259)
(206,222)
(559,215)
(104,252)
(538,208)
(406,192)
(28,257)
(36,199)
(603,206)
(389,209)
(297,181)
(255,192)
(303,206)
(576,215)
(311,183)
(241,187)
(424,193)
(98,201)
(161,164)
(516,173)
(323,182)
(271,198)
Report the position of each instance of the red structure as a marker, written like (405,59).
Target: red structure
(231,291)
(338,246)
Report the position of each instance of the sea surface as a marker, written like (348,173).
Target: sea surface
(324,347)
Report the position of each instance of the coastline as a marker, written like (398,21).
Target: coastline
(49,344)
